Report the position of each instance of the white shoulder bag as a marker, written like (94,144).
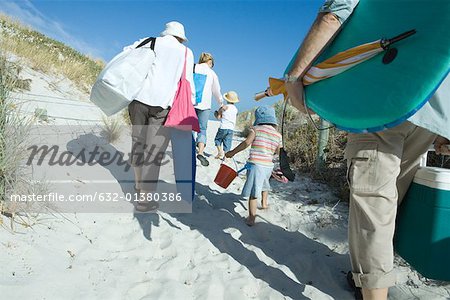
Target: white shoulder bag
(123,77)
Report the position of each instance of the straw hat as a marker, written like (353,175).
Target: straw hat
(176,29)
(231,97)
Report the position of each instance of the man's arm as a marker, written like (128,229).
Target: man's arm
(319,36)
(324,29)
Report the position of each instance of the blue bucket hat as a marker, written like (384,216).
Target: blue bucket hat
(265,115)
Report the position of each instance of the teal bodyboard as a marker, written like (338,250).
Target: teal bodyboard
(373,96)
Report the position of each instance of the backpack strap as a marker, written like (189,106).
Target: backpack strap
(152,45)
(146,41)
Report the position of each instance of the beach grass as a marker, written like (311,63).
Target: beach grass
(112,128)
(14,131)
(48,55)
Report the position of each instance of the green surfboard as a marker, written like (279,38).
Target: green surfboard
(373,96)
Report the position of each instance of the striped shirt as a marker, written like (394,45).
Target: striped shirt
(264,146)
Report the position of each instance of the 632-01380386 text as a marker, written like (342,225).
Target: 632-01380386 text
(97,196)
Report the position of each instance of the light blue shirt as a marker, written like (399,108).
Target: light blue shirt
(435,114)
(342,9)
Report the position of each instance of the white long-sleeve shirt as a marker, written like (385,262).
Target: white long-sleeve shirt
(211,87)
(161,84)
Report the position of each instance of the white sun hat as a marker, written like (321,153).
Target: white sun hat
(176,29)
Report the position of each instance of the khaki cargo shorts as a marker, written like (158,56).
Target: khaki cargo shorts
(380,168)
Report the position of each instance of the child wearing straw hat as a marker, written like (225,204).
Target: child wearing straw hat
(265,142)
(227,116)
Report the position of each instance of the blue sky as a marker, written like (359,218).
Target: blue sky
(250,40)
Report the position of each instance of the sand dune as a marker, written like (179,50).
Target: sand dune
(297,250)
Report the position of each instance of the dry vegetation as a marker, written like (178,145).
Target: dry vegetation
(14,130)
(301,142)
(48,55)
(28,47)
(14,133)
(112,128)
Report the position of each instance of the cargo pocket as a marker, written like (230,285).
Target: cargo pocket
(362,165)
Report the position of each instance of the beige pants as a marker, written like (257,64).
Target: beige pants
(380,168)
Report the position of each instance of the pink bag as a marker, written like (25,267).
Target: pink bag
(182,115)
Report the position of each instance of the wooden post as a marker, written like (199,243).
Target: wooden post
(322,144)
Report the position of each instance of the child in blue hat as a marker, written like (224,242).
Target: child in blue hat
(265,142)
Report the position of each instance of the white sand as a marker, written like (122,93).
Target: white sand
(297,250)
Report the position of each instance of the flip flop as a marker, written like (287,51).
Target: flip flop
(356,290)
(278,176)
(203,160)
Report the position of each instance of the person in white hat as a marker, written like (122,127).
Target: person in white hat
(175,29)
(152,104)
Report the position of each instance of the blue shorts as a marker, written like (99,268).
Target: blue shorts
(225,137)
(257,180)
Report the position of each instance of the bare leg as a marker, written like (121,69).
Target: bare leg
(375,294)
(251,211)
(137,177)
(219,152)
(264,196)
(201,147)
(200,156)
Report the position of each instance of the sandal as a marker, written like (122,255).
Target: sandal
(250,221)
(203,160)
(278,176)
(146,206)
